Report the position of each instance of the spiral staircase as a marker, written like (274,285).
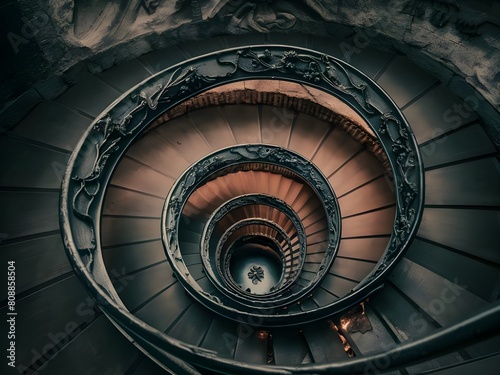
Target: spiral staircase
(246,229)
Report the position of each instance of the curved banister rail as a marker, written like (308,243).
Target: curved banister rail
(288,251)
(229,158)
(99,151)
(483,324)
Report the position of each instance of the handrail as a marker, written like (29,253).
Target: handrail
(238,202)
(483,324)
(95,157)
(240,156)
(280,234)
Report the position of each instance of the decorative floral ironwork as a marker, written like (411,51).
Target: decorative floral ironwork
(314,69)
(94,160)
(243,155)
(186,81)
(212,257)
(256,274)
(290,253)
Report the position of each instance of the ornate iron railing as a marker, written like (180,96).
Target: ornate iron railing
(290,246)
(99,151)
(229,159)
(293,251)
(242,233)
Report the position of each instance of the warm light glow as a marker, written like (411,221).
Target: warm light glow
(345,343)
(345,324)
(262,335)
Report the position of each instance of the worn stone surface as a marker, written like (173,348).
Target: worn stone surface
(450,41)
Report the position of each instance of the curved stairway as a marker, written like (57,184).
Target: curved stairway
(448,274)
(354,174)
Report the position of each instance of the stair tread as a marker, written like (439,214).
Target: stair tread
(375,340)
(213,127)
(433,293)
(222,337)
(356,171)
(159,60)
(404,80)
(123,230)
(408,323)
(289,346)
(351,268)
(133,175)
(33,167)
(337,285)
(471,272)
(46,313)
(89,86)
(135,289)
(29,213)
(337,148)
(380,192)
(131,257)
(155,314)
(54,125)
(468,230)
(378,222)
(363,248)
(161,156)
(465,143)
(324,343)
(437,112)
(101,342)
(130,203)
(308,133)
(185,138)
(322,297)
(469,183)
(276,124)
(126,75)
(252,346)
(193,325)
(41,260)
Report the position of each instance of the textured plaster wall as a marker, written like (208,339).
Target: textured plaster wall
(47,44)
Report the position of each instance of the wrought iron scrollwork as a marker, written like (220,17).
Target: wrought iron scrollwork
(229,158)
(290,246)
(309,68)
(99,152)
(213,259)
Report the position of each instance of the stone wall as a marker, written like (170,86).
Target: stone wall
(46,45)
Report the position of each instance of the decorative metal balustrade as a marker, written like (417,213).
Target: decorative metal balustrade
(240,157)
(97,155)
(219,259)
(254,231)
(288,247)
